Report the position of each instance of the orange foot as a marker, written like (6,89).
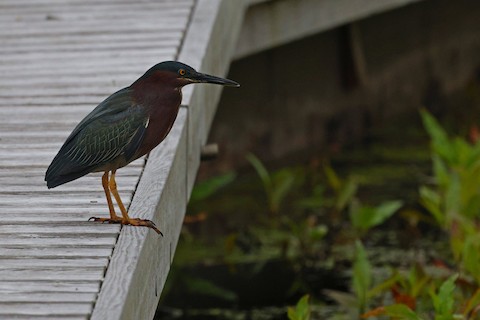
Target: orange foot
(134,222)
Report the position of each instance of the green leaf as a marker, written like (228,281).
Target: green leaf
(440,142)
(318,232)
(431,200)
(282,183)
(362,275)
(453,203)
(417,280)
(386,285)
(385,211)
(366,218)
(261,171)
(301,310)
(401,311)
(205,189)
(332,178)
(315,201)
(471,254)
(443,302)
(440,171)
(346,194)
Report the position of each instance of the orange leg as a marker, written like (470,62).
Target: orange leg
(113,188)
(110,185)
(113,216)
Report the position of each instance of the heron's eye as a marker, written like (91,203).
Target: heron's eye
(181,72)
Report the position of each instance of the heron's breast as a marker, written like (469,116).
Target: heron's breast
(159,125)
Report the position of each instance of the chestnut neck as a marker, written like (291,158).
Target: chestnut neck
(158,88)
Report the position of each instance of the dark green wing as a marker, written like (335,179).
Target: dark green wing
(115,128)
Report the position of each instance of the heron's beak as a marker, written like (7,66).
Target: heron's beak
(206,78)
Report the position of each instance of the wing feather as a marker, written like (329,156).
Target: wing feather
(113,129)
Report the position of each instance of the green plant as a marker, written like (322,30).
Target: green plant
(454,200)
(444,301)
(456,168)
(363,217)
(362,276)
(444,305)
(204,189)
(277,185)
(344,190)
(301,311)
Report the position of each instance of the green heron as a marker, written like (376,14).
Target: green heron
(124,127)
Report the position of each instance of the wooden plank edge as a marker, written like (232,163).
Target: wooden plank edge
(209,46)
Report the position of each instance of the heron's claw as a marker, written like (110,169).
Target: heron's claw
(133,222)
(144,223)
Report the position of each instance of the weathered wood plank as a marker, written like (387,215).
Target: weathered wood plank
(91,67)
(131,45)
(64,57)
(22,200)
(128,172)
(85,42)
(57,274)
(52,251)
(85,228)
(53,91)
(9,309)
(56,3)
(117,79)
(273,23)
(53,240)
(38,263)
(30,218)
(16,187)
(49,286)
(83,16)
(19,162)
(86,6)
(48,317)
(40,297)
(59,27)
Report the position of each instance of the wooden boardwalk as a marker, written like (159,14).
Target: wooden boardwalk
(58,60)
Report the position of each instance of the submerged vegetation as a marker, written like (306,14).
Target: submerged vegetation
(303,242)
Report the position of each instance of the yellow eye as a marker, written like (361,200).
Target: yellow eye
(181,72)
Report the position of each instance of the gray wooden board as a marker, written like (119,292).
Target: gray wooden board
(54,251)
(58,60)
(55,286)
(272,23)
(44,308)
